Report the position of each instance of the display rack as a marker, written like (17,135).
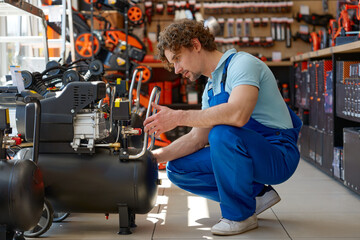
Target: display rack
(270,64)
(318,144)
(22,8)
(353,47)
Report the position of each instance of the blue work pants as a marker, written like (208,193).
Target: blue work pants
(233,169)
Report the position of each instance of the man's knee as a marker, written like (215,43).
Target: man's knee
(221,134)
(174,172)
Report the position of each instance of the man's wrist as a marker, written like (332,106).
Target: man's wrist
(180,118)
(157,154)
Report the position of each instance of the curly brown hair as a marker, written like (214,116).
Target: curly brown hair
(180,33)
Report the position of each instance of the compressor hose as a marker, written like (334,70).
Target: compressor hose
(38,85)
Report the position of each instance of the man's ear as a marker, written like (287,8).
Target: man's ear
(196,44)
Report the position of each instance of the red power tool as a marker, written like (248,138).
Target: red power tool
(345,24)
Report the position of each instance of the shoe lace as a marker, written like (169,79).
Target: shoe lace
(225,220)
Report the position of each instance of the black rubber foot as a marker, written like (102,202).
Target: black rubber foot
(124,231)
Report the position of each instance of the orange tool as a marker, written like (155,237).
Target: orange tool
(314,39)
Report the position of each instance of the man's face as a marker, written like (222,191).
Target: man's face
(185,63)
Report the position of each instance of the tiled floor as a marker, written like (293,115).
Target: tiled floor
(313,207)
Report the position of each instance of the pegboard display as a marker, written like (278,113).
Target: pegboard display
(258,27)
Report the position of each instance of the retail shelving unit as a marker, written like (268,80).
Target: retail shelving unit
(270,64)
(22,8)
(353,47)
(323,129)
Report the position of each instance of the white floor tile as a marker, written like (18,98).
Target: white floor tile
(321,225)
(177,227)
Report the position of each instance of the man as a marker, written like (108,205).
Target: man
(251,132)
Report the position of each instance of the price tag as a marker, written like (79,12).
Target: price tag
(276,56)
(55,13)
(304,10)
(17,78)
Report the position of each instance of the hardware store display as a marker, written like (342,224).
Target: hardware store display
(88,153)
(323,140)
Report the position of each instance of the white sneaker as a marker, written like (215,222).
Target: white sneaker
(227,227)
(266,199)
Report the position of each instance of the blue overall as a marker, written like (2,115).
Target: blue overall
(238,162)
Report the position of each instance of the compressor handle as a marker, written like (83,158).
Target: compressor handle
(27,96)
(132,86)
(156,100)
(138,90)
(36,138)
(154,97)
(133,80)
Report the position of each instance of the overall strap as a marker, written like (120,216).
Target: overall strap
(224,74)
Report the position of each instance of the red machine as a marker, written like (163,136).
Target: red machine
(345,25)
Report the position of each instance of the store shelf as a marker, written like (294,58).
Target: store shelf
(270,64)
(347,48)
(34,41)
(57,43)
(327,52)
(153,64)
(30,36)
(279,64)
(24,39)
(21,8)
(11,7)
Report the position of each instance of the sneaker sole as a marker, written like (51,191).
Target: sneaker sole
(248,228)
(275,199)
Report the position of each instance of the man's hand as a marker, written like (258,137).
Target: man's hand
(164,120)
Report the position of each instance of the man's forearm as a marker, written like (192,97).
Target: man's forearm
(183,146)
(220,114)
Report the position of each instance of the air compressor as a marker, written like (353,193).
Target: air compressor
(86,159)
(21,181)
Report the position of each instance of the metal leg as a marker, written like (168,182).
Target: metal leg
(6,234)
(124,219)
(132,220)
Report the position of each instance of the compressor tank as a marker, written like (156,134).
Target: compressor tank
(98,183)
(21,194)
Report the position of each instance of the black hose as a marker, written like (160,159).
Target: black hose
(52,77)
(53,68)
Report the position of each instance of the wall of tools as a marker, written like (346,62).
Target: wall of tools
(259,27)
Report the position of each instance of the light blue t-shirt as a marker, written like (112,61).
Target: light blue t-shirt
(270,109)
